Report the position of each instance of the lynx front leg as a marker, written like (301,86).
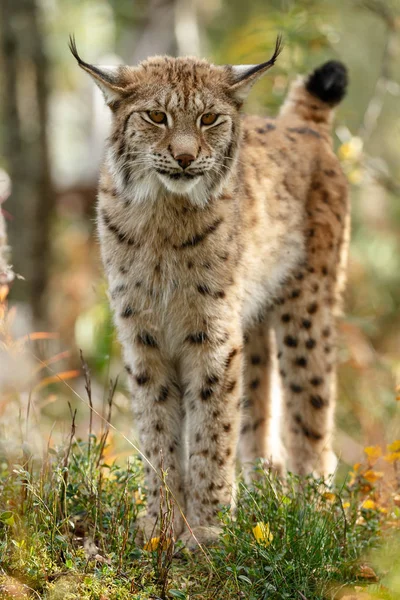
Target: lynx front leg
(212,372)
(157,407)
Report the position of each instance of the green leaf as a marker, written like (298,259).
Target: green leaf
(7,517)
(177,594)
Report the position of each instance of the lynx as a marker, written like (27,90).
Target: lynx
(216,229)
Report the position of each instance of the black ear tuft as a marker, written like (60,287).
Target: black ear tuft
(103,75)
(73,48)
(328,82)
(246,74)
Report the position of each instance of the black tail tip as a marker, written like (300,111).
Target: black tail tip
(328,82)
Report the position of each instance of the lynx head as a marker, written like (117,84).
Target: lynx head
(175,126)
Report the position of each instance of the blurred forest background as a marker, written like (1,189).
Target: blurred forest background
(52,128)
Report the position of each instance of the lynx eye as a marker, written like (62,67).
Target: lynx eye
(157,116)
(208,119)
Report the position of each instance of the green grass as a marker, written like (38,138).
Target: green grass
(67,530)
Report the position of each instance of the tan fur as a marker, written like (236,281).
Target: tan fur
(200,270)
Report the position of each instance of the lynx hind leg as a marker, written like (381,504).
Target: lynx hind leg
(255,439)
(304,320)
(305,338)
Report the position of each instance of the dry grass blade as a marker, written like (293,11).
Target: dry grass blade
(110,398)
(88,388)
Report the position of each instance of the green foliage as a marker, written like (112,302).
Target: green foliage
(67,530)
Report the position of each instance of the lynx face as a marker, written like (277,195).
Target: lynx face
(171,140)
(175,125)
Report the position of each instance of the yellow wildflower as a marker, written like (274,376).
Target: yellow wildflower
(154,543)
(346,504)
(369,505)
(351,150)
(355,176)
(392,457)
(262,534)
(345,151)
(329,496)
(138,497)
(373,452)
(356,466)
(394,447)
(372,476)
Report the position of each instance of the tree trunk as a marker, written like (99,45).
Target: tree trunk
(24,101)
(168,27)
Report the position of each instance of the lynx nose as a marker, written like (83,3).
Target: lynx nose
(184,160)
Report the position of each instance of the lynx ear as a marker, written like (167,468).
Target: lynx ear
(244,76)
(105,77)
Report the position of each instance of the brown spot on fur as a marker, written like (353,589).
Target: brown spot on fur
(231,386)
(163,395)
(254,384)
(199,337)
(146,339)
(257,423)
(127,312)
(300,361)
(312,308)
(316,401)
(255,359)
(295,388)
(290,341)
(200,237)
(231,356)
(309,433)
(206,393)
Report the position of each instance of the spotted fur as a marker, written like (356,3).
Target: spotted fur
(204,262)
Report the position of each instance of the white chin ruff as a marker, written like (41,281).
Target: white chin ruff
(178,186)
(194,189)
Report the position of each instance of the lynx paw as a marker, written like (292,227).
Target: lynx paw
(201,535)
